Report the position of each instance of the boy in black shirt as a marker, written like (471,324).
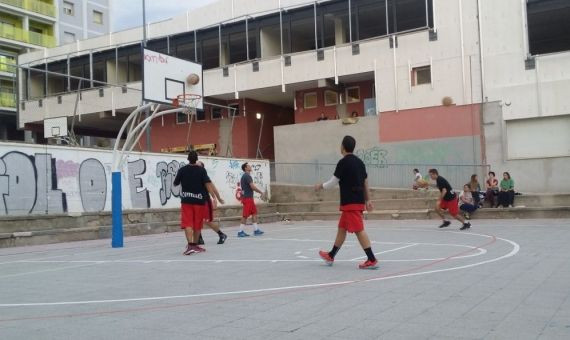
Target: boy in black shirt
(447,201)
(351,175)
(195,182)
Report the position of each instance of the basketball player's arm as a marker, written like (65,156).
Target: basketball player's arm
(443,193)
(369,205)
(328,185)
(214,192)
(255,188)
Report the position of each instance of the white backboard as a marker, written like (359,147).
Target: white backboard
(55,127)
(166,77)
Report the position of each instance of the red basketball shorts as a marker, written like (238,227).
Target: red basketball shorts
(451,206)
(209,211)
(351,218)
(249,207)
(192,216)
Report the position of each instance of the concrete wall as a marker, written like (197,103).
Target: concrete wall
(98,29)
(540,175)
(390,163)
(36,180)
(537,92)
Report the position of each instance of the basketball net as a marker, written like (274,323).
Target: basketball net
(189,102)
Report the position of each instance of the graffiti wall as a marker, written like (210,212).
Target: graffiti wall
(58,180)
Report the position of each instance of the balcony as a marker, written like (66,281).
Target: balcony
(7,64)
(15,33)
(35,6)
(7,99)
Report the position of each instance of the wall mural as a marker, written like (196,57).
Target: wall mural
(59,180)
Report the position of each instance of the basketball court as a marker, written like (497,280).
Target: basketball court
(501,279)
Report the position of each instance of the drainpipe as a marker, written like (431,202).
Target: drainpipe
(482,74)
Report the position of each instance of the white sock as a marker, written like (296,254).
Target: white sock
(241,226)
(255,227)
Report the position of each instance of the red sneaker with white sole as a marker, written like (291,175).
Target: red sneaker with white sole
(199,249)
(369,264)
(189,250)
(326,257)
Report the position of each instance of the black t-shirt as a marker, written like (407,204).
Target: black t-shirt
(351,172)
(442,183)
(193,179)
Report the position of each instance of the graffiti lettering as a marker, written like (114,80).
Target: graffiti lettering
(92,185)
(167,173)
(29,185)
(139,198)
(373,157)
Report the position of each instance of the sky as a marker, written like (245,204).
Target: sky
(128,13)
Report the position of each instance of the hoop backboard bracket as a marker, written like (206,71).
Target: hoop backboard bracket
(166,77)
(55,127)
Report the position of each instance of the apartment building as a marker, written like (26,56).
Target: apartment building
(435,81)
(28,25)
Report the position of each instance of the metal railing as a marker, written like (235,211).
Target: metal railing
(36,6)
(7,64)
(16,33)
(398,176)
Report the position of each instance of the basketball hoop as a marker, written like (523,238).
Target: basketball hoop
(187,101)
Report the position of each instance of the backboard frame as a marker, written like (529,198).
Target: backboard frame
(55,127)
(174,77)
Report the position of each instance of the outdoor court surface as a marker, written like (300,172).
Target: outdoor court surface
(503,279)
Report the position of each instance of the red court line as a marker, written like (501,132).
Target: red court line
(254,296)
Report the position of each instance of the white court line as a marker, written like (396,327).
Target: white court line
(87,263)
(513,252)
(481,251)
(386,251)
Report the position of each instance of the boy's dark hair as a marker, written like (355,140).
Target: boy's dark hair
(508,174)
(243,166)
(348,143)
(433,171)
(491,172)
(416,170)
(192,157)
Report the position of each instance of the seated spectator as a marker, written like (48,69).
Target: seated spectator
(419,182)
(507,192)
(354,114)
(466,201)
(475,190)
(492,189)
(322,117)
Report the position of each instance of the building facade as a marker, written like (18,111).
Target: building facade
(443,81)
(28,25)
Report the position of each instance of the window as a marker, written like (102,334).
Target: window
(181,118)
(235,112)
(200,115)
(68,37)
(310,100)
(331,98)
(68,8)
(98,17)
(353,95)
(548,26)
(216,113)
(421,75)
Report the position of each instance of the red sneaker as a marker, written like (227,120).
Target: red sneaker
(189,250)
(369,264)
(199,249)
(326,257)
